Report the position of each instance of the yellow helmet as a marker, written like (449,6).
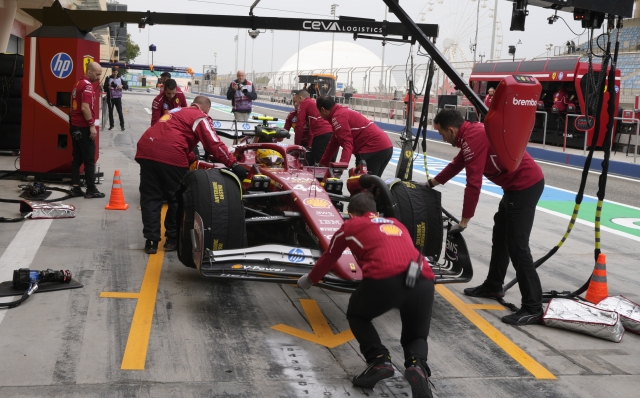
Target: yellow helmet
(269,158)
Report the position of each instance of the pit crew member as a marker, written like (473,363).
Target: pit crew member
(170,97)
(164,153)
(82,126)
(514,219)
(164,76)
(313,126)
(384,251)
(242,94)
(489,97)
(356,135)
(560,99)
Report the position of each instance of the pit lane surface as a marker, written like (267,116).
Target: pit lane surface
(211,339)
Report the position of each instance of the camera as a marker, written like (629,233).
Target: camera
(114,85)
(76,134)
(240,86)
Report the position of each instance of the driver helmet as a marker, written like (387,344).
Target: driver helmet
(269,158)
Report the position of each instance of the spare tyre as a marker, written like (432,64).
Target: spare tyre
(215,194)
(11,65)
(420,210)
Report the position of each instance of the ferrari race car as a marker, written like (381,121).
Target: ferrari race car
(274,225)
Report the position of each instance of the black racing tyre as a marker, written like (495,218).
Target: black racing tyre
(9,136)
(420,210)
(11,110)
(11,65)
(215,194)
(10,87)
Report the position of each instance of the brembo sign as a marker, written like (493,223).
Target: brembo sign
(333,26)
(523,102)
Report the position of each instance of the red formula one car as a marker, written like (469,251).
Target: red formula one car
(274,225)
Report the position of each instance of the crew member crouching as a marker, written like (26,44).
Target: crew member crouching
(356,135)
(164,152)
(384,251)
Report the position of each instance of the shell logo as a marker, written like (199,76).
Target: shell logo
(166,117)
(237,266)
(317,203)
(554,75)
(390,230)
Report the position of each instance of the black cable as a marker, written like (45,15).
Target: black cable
(33,287)
(565,22)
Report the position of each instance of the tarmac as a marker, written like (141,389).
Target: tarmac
(147,326)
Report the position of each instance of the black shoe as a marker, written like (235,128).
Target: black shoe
(110,128)
(377,370)
(93,194)
(524,317)
(76,192)
(170,245)
(151,246)
(122,127)
(418,377)
(482,291)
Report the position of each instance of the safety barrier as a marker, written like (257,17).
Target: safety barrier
(544,128)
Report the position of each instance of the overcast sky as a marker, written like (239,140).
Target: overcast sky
(195,46)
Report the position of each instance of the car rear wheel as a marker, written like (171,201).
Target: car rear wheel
(216,196)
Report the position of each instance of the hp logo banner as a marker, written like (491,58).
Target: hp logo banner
(61,65)
(246,126)
(296,255)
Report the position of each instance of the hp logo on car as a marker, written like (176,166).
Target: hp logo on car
(296,255)
(217,124)
(246,126)
(61,65)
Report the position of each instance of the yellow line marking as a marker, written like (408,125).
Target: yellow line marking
(537,370)
(497,307)
(135,352)
(322,333)
(119,295)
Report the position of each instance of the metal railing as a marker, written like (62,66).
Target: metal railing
(637,123)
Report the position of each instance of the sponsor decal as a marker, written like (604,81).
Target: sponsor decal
(246,126)
(329,229)
(317,203)
(297,180)
(296,255)
(380,220)
(61,65)
(329,222)
(328,236)
(165,118)
(282,144)
(407,154)
(334,26)
(347,252)
(86,60)
(218,192)
(217,124)
(617,89)
(175,110)
(177,100)
(324,213)
(584,123)
(409,184)
(256,268)
(390,230)
(554,76)
(452,251)
(299,187)
(420,234)
(560,75)
(165,106)
(352,266)
(522,102)
(237,266)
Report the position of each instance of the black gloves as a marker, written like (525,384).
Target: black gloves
(239,171)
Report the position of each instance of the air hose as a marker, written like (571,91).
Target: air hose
(602,182)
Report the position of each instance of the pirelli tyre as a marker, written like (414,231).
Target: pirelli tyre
(215,194)
(420,210)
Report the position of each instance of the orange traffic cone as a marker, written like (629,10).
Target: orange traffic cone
(116,201)
(598,289)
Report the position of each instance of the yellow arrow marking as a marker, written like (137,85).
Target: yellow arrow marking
(537,370)
(135,352)
(322,333)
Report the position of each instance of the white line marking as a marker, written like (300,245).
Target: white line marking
(22,250)
(148,110)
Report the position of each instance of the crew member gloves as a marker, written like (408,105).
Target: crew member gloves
(304,282)
(456,229)
(239,171)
